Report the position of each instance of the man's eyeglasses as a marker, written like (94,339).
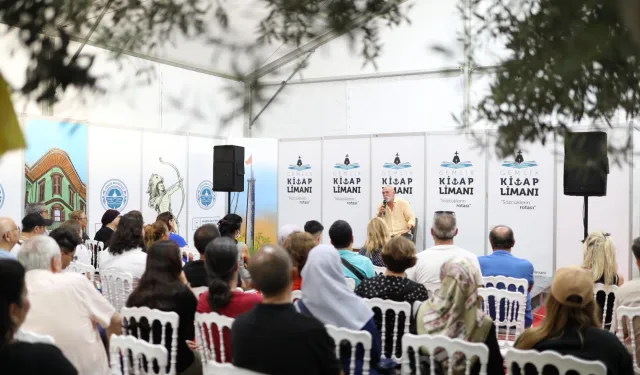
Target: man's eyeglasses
(438,213)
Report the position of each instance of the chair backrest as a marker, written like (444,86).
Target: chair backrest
(116,286)
(296,295)
(199,290)
(397,308)
(495,281)
(215,368)
(32,337)
(94,248)
(351,283)
(451,346)
(562,363)
(84,269)
(204,335)
(379,270)
(354,338)
(121,346)
(607,290)
(626,317)
(164,318)
(512,319)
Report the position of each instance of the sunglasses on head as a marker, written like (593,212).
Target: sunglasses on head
(438,213)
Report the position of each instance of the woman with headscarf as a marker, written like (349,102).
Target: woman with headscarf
(454,313)
(326,296)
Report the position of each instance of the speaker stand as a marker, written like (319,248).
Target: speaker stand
(585,217)
(229,195)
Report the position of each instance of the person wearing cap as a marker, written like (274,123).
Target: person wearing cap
(109,224)
(32,225)
(572,325)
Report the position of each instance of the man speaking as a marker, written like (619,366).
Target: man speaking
(396,213)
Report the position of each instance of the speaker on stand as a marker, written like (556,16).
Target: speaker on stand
(228,170)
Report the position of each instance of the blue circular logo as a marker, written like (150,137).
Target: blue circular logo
(1,195)
(205,195)
(114,195)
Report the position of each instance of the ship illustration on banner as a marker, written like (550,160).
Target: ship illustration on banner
(456,163)
(519,163)
(299,166)
(397,164)
(347,164)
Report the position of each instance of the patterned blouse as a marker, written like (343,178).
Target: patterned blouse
(375,256)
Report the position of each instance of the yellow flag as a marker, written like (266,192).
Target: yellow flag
(11,137)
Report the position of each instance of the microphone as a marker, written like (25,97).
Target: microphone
(384,205)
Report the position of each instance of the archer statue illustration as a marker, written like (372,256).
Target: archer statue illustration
(160,196)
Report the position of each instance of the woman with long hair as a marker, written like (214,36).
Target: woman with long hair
(571,325)
(229,226)
(298,245)
(164,287)
(377,237)
(126,252)
(221,263)
(155,232)
(170,220)
(16,357)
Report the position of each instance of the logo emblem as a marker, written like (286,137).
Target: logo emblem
(346,165)
(114,195)
(519,163)
(456,163)
(1,195)
(299,166)
(205,195)
(397,164)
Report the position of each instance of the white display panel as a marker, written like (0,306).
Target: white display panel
(11,183)
(520,196)
(205,205)
(164,177)
(346,185)
(299,182)
(456,174)
(114,177)
(399,161)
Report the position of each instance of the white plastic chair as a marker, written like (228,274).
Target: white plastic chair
(215,368)
(32,337)
(120,346)
(541,359)
(204,337)
(626,315)
(351,283)
(199,290)
(94,248)
(513,314)
(397,308)
(296,295)
(494,281)
(379,270)
(452,346)
(84,269)
(164,318)
(116,286)
(611,289)
(354,338)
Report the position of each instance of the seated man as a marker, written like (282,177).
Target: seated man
(354,265)
(66,306)
(273,338)
(503,263)
(629,295)
(194,271)
(315,229)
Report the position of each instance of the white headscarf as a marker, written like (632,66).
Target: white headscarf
(325,292)
(285,231)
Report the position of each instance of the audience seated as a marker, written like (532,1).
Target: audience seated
(163,287)
(170,221)
(68,242)
(273,338)
(80,217)
(354,266)
(9,236)
(66,306)
(155,232)
(600,262)
(503,263)
(32,225)
(315,229)
(285,231)
(377,237)
(82,254)
(629,295)
(221,261)
(430,261)
(195,270)
(453,312)
(126,251)
(21,358)
(229,226)
(326,296)
(299,245)
(110,220)
(572,326)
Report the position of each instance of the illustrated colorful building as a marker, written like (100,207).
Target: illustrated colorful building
(54,181)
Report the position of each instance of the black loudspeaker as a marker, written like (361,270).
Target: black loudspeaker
(228,168)
(586,164)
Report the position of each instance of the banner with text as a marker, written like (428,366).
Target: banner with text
(456,182)
(398,161)
(521,197)
(299,176)
(346,185)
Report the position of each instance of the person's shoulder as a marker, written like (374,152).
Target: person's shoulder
(628,288)
(603,337)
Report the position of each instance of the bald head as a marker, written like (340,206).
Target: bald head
(444,227)
(8,233)
(270,270)
(501,238)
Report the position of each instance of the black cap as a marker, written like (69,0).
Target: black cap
(34,220)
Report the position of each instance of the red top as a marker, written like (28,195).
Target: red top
(239,303)
(297,284)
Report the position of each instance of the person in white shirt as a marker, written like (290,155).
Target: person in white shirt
(126,249)
(67,307)
(430,261)
(9,235)
(82,254)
